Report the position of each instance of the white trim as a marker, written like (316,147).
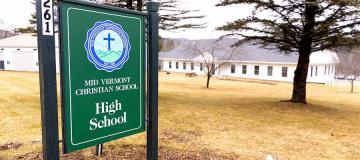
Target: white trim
(252,62)
(261,62)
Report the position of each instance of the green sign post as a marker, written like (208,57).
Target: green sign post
(103,74)
(47,77)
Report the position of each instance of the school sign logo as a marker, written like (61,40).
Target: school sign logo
(107,46)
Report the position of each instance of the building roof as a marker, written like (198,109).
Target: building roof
(244,53)
(27,40)
(180,51)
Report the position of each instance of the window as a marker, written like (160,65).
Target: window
(244,68)
(331,69)
(311,71)
(233,68)
(270,71)
(177,65)
(7,62)
(192,66)
(256,70)
(201,66)
(37,63)
(169,64)
(316,71)
(284,71)
(325,70)
(184,65)
(2,65)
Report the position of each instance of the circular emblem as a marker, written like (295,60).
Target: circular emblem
(107,46)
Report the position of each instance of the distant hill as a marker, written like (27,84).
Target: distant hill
(5,34)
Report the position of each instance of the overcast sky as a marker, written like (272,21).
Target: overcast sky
(15,13)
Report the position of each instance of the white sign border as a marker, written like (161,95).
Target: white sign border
(141,96)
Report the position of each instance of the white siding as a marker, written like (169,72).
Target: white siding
(165,65)
(23,59)
(180,68)
(8,59)
(263,71)
(2,55)
(225,70)
(326,74)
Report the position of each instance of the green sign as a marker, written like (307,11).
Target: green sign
(103,77)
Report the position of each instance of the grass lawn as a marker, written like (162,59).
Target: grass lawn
(234,119)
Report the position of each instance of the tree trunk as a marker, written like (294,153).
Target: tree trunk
(129,4)
(299,85)
(208,81)
(352,85)
(139,5)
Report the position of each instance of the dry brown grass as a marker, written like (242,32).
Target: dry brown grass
(232,120)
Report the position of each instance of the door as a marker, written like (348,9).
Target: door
(2,65)
(23,61)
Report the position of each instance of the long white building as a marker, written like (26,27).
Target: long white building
(19,53)
(250,62)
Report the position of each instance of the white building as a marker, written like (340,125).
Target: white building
(19,53)
(250,62)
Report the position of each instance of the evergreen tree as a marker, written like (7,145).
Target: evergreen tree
(171,15)
(32,21)
(129,4)
(302,26)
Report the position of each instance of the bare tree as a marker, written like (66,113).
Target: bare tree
(350,66)
(213,55)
